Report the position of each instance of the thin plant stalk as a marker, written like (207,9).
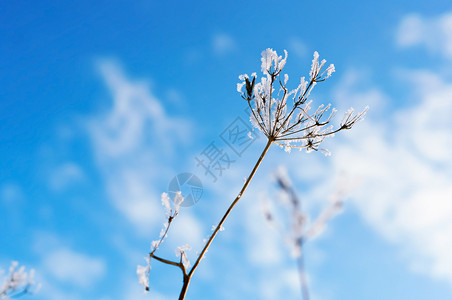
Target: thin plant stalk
(188,276)
(274,119)
(302,273)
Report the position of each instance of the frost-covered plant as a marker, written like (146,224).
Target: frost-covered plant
(183,264)
(17,282)
(297,228)
(285,118)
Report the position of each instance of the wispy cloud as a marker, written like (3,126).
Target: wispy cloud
(65,273)
(433,33)
(72,267)
(264,247)
(223,44)
(126,127)
(354,91)
(404,163)
(298,47)
(134,142)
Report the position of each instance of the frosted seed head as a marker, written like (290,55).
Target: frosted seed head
(178,199)
(330,71)
(240,86)
(282,63)
(166,204)
(143,275)
(286,78)
(314,66)
(267,59)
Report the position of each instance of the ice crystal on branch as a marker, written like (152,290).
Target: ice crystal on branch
(286,117)
(213,228)
(143,274)
(166,204)
(170,213)
(180,252)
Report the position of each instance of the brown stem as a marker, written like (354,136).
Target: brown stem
(187,278)
(168,262)
(184,287)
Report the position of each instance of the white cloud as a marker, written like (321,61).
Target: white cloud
(433,33)
(186,229)
(284,286)
(134,196)
(62,269)
(223,44)
(352,91)
(404,162)
(132,141)
(72,267)
(126,128)
(265,245)
(51,291)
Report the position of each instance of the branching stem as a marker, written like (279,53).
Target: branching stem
(188,277)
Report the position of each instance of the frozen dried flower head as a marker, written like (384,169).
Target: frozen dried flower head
(285,116)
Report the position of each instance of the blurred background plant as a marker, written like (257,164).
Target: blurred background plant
(17,282)
(295,225)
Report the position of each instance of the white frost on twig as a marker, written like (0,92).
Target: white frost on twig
(180,251)
(143,274)
(215,227)
(291,125)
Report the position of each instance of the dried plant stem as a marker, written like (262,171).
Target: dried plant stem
(188,276)
(302,273)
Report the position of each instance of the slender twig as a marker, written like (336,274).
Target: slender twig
(223,219)
(168,262)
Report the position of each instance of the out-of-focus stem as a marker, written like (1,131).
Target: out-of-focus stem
(302,273)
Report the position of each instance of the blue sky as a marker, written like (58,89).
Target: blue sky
(102,104)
